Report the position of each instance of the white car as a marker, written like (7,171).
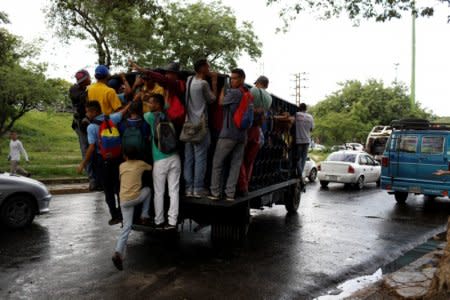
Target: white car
(355,146)
(349,167)
(310,170)
(318,147)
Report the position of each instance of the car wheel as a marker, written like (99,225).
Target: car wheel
(324,183)
(379,182)
(359,185)
(17,211)
(401,197)
(312,175)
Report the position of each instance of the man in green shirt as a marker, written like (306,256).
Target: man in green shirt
(165,167)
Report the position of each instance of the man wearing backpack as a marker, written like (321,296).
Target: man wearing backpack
(105,146)
(262,102)
(78,96)
(166,162)
(232,137)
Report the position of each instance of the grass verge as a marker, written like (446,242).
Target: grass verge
(51,144)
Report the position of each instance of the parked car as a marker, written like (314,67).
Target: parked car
(350,167)
(21,199)
(415,150)
(310,170)
(336,148)
(376,141)
(354,146)
(318,147)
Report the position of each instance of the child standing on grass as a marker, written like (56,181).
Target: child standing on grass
(15,150)
(131,194)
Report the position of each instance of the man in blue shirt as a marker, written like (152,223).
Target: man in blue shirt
(231,141)
(106,170)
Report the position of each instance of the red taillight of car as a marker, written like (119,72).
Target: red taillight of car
(351,170)
(319,168)
(385,161)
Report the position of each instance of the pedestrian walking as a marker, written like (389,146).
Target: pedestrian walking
(16,149)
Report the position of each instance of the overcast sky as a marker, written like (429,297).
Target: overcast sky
(328,51)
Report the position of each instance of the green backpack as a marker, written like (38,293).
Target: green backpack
(133,137)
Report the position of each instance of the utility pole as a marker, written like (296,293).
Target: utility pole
(298,79)
(413,62)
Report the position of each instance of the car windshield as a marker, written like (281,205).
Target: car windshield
(342,156)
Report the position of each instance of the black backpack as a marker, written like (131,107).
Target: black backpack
(165,135)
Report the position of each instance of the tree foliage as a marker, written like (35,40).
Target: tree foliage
(201,30)
(23,85)
(153,35)
(379,10)
(115,27)
(350,113)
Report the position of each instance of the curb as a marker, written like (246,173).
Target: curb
(63,180)
(69,191)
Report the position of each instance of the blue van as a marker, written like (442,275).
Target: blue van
(415,150)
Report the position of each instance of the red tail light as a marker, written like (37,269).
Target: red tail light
(385,161)
(351,170)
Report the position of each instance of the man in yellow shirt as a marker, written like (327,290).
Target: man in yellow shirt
(101,92)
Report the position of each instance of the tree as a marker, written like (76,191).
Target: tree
(114,26)
(351,112)
(23,85)
(21,90)
(379,10)
(60,100)
(201,30)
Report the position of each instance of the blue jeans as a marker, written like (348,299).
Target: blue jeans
(302,153)
(195,163)
(127,214)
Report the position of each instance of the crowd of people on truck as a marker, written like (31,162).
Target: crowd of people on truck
(136,140)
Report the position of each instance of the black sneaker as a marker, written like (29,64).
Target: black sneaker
(114,221)
(117,261)
(169,227)
(161,226)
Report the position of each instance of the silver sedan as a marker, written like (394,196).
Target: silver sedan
(21,199)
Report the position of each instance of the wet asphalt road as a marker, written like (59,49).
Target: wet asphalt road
(337,234)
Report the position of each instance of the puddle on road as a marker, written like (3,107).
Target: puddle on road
(351,286)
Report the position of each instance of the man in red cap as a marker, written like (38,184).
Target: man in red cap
(78,95)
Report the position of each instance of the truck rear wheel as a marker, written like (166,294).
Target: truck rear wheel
(401,197)
(292,197)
